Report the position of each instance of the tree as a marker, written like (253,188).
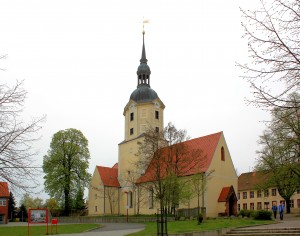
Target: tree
(11,205)
(16,140)
(79,200)
(167,159)
(30,202)
(274,47)
(65,166)
(280,149)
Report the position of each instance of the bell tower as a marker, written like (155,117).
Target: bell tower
(143,109)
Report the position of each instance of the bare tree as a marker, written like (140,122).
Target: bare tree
(16,140)
(274,48)
(166,158)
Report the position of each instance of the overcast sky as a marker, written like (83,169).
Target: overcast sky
(79,61)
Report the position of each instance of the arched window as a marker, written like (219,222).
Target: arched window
(222,154)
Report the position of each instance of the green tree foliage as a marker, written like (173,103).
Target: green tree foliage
(79,200)
(30,202)
(11,205)
(280,149)
(65,166)
(273,33)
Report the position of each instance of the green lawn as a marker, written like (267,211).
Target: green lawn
(190,226)
(41,230)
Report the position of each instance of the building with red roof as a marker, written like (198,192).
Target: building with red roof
(128,189)
(4,196)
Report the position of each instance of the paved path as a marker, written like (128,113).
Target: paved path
(108,229)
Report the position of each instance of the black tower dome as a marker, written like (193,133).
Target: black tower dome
(143,93)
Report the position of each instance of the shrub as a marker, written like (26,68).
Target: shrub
(244,213)
(200,218)
(262,215)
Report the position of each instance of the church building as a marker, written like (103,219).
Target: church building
(114,190)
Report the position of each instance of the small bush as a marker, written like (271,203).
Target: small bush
(262,215)
(244,213)
(200,218)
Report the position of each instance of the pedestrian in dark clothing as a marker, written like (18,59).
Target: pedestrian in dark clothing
(281,209)
(274,209)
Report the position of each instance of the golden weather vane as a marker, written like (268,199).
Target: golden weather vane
(145,22)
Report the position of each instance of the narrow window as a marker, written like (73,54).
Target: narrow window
(222,154)
(157,129)
(96,208)
(129,203)
(131,131)
(239,207)
(298,203)
(259,206)
(244,206)
(266,193)
(150,198)
(266,204)
(258,193)
(273,191)
(252,206)
(291,203)
(244,195)
(131,116)
(239,196)
(251,194)
(157,115)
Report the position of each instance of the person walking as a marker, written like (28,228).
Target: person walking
(281,209)
(274,209)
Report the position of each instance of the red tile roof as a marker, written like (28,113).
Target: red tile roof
(4,192)
(224,194)
(109,176)
(116,165)
(206,145)
(251,180)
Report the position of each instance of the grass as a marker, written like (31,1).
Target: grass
(190,226)
(41,230)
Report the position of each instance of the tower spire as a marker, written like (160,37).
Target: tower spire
(143,71)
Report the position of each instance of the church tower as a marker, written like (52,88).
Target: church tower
(143,109)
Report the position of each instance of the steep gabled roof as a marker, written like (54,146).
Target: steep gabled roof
(4,192)
(251,180)
(206,145)
(109,176)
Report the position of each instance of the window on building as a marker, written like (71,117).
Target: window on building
(157,115)
(130,200)
(258,193)
(131,116)
(244,206)
(273,191)
(259,206)
(251,194)
(266,193)
(239,207)
(292,203)
(157,129)
(252,206)
(222,154)
(266,205)
(298,203)
(95,195)
(239,195)
(131,131)
(150,198)
(2,202)
(244,195)
(96,208)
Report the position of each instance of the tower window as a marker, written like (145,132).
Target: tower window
(131,131)
(222,154)
(156,114)
(157,129)
(131,116)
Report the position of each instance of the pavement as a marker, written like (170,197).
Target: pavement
(107,229)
